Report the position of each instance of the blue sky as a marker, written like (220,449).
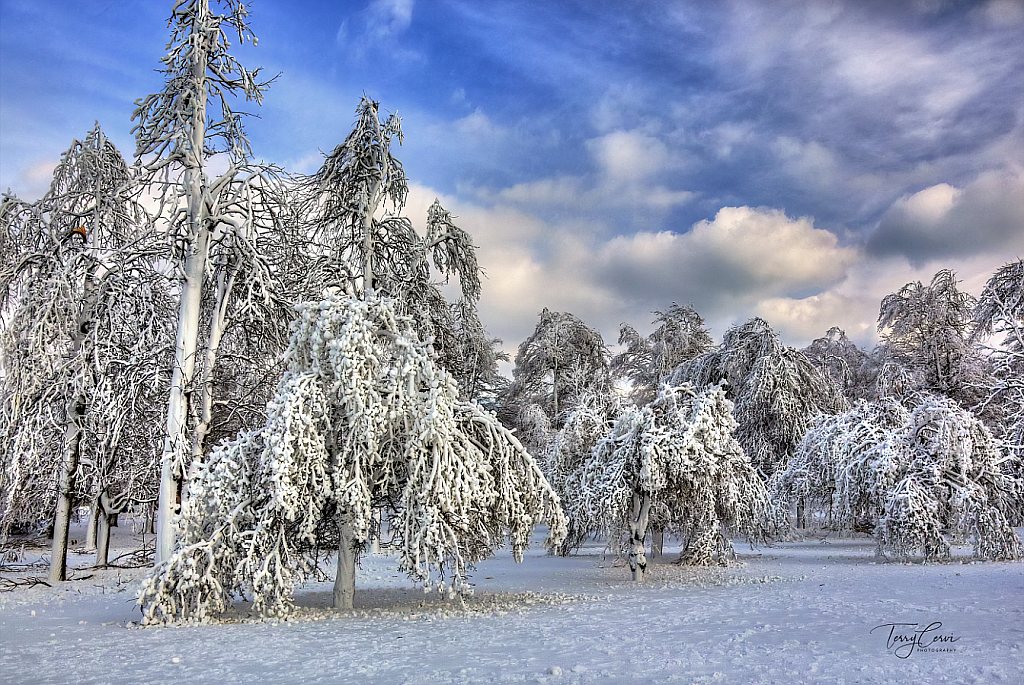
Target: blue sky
(796,160)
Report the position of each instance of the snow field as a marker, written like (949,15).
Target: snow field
(799,612)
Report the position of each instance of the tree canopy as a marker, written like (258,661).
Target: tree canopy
(776,389)
(922,474)
(363,418)
(676,464)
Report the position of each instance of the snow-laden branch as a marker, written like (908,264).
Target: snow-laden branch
(777,391)
(674,462)
(363,418)
(921,475)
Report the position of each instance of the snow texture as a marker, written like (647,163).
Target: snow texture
(797,613)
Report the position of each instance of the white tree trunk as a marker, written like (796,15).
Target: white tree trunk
(108,512)
(103,539)
(69,464)
(375,539)
(177,443)
(638,530)
(225,284)
(72,435)
(94,513)
(345,581)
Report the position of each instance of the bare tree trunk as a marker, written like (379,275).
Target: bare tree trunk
(345,581)
(801,521)
(177,443)
(72,436)
(638,530)
(94,514)
(375,533)
(107,520)
(69,464)
(103,540)
(554,392)
(657,542)
(205,408)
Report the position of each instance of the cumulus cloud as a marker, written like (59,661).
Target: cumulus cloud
(941,221)
(802,320)
(742,255)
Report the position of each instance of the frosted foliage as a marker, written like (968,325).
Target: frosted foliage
(570,448)
(678,457)
(533,427)
(926,329)
(362,418)
(352,207)
(851,368)
(777,391)
(164,119)
(681,335)
(562,359)
(83,340)
(1000,312)
(922,477)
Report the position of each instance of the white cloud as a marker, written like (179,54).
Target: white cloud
(629,157)
(560,190)
(478,125)
(940,222)
(802,320)
(742,255)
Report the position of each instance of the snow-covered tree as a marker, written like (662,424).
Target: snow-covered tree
(1000,312)
(927,328)
(569,449)
(353,210)
(853,370)
(676,463)
(922,474)
(776,389)
(563,359)
(83,346)
(224,227)
(363,418)
(680,336)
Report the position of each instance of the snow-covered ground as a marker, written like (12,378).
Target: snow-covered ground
(800,612)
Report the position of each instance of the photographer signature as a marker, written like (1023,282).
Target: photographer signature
(904,638)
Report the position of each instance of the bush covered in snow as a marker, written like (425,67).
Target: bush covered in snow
(922,472)
(363,419)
